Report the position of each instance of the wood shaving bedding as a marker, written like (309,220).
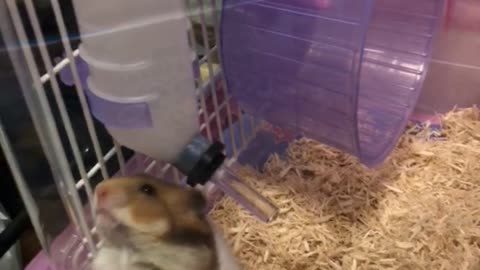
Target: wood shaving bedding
(418,210)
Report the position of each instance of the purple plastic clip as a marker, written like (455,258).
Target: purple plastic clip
(112,114)
(119,115)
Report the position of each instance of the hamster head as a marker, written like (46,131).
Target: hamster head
(146,205)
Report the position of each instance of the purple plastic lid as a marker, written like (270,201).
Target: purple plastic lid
(119,115)
(345,72)
(111,113)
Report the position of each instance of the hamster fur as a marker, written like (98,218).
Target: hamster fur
(146,224)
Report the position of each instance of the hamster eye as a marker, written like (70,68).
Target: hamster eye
(147,189)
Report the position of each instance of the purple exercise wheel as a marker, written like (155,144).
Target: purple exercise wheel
(347,73)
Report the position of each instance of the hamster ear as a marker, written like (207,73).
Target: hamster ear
(198,202)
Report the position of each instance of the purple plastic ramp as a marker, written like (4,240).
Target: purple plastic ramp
(345,72)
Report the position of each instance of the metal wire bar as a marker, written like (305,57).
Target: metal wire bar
(150,166)
(213,115)
(46,126)
(199,92)
(165,169)
(216,22)
(206,44)
(78,86)
(120,157)
(206,85)
(59,66)
(204,58)
(224,81)
(96,168)
(59,98)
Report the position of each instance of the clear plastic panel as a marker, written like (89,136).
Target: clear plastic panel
(453,77)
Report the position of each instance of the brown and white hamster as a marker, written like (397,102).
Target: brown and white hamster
(146,224)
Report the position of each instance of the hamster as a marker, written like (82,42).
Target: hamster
(147,224)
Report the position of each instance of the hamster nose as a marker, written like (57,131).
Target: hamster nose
(102,194)
(109,196)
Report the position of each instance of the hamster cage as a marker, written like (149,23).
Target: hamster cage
(41,40)
(56,151)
